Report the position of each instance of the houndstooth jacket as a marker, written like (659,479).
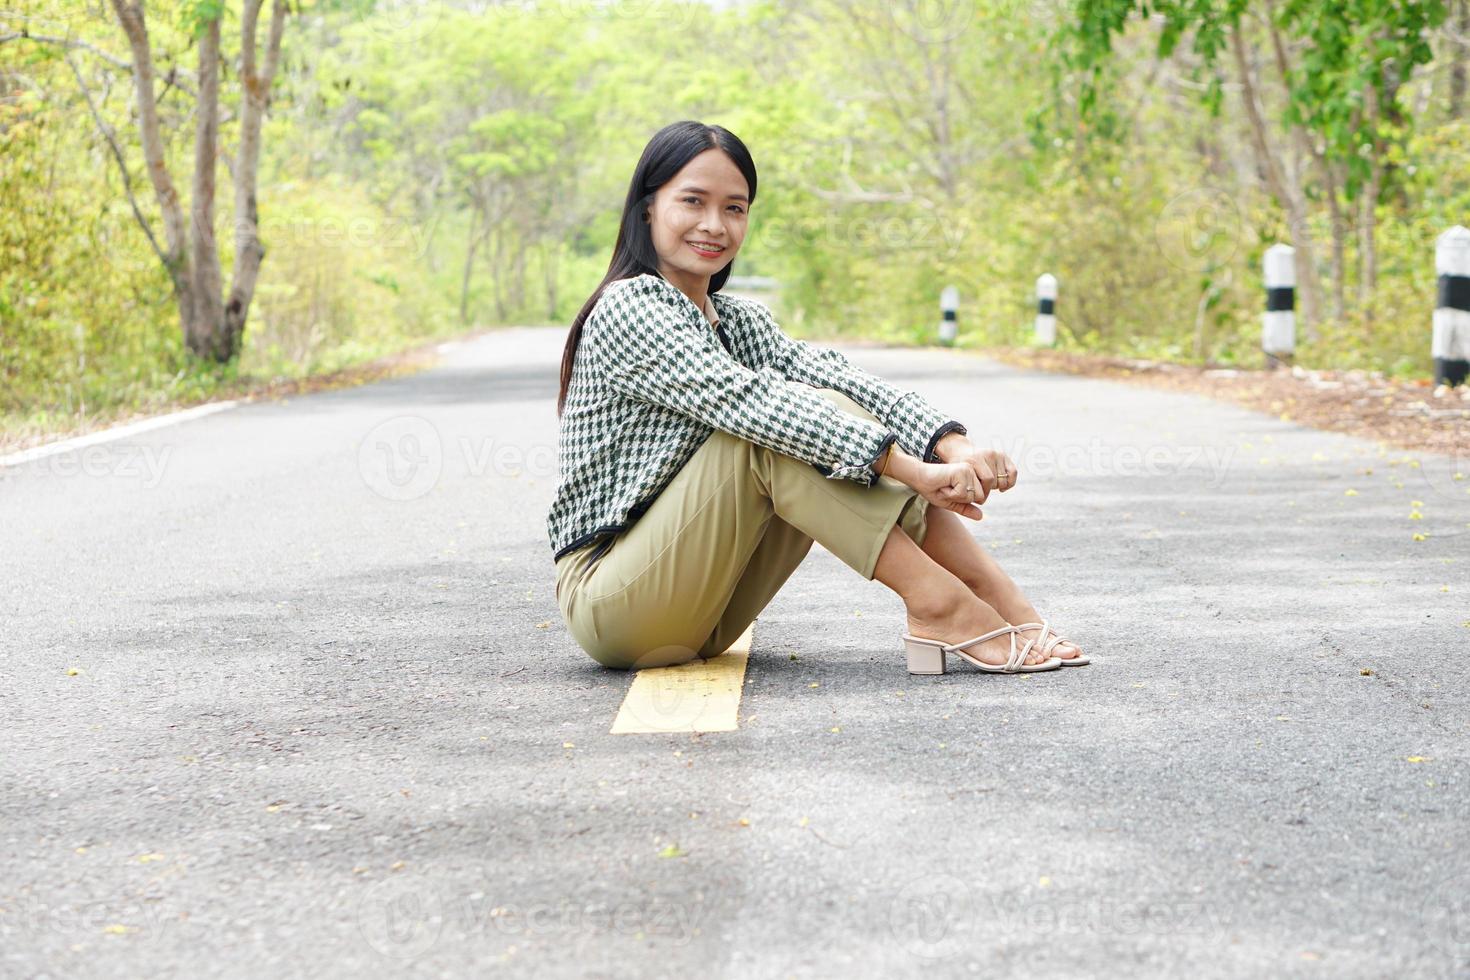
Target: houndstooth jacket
(652,380)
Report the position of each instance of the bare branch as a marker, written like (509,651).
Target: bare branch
(66,42)
(176,259)
(117,154)
(174,77)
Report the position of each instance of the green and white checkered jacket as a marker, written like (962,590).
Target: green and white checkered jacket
(652,380)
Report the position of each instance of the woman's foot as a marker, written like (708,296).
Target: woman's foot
(1011,603)
(966,616)
(1066,649)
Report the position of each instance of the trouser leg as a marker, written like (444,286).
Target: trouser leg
(783,548)
(692,569)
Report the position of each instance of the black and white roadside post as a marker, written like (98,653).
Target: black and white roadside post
(1451,342)
(1278,328)
(1046,309)
(949,304)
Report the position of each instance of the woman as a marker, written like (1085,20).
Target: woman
(701,451)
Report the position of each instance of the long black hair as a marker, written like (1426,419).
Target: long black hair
(633,255)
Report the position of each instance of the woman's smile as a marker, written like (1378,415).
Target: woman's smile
(707,250)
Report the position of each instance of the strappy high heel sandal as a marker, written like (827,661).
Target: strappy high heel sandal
(1048,645)
(926,656)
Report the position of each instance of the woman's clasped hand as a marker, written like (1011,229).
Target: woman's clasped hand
(963,484)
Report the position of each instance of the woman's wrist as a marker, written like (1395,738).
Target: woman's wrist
(952,445)
(901,466)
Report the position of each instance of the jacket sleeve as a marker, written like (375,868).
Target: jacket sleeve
(918,425)
(645,347)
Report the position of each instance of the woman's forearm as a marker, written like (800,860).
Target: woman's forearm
(903,467)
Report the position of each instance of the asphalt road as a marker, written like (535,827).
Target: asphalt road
(287,693)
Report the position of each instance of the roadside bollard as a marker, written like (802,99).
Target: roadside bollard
(1046,309)
(1278,328)
(1450,345)
(949,304)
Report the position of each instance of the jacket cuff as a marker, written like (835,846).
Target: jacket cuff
(863,473)
(940,433)
(872,465)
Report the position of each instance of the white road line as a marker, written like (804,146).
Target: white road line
(116,432)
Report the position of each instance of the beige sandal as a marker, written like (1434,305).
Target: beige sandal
(1047,646)
(926,656)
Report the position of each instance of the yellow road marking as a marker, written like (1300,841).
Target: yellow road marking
(700,696)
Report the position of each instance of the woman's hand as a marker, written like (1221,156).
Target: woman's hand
(954,486)
(993,469)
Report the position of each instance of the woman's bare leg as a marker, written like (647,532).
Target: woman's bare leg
(940,606)
(949,542)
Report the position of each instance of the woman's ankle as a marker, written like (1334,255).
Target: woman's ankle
(942,603)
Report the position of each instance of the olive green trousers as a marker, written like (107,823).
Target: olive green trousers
(688,577)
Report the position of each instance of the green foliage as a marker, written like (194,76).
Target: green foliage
(425,169)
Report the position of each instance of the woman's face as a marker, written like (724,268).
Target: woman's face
(698,219)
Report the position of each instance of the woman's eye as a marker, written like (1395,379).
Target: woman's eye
(693,200)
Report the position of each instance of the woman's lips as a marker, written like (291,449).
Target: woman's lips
(704,252)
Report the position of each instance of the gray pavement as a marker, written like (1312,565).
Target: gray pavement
(288,694)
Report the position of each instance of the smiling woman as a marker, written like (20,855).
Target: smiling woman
(698,465)
(699,220)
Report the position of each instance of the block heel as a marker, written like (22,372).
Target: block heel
(924,656)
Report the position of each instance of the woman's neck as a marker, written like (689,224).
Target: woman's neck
(696,287)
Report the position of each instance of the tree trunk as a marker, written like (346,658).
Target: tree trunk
(497,240)
(1367,244)
(1307,150)
(255,89)
(518,283)
(469,264)
(1285,188)
(203,334)
(211,328)
(176,254)
(549,254)
(1367,222)
(1458,41)
(1339,239)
